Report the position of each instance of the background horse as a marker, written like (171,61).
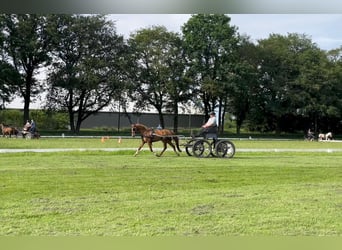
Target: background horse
(8,131)
(149,135)
(327,136)
(321,137)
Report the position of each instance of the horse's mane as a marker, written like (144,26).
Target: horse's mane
(140,125)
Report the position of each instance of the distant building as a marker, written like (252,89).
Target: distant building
(124,120)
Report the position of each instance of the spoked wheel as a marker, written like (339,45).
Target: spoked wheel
(28,135)
(225,149)
(189,147)
(201,148)
(220,149)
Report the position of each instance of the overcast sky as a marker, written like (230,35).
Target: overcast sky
(324,29)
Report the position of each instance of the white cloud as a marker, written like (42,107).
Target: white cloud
(322,28)
(129,23)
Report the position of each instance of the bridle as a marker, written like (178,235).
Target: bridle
(133,128)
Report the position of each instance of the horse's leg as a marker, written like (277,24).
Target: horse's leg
(173,146)
(176,139)
(151,149)
(150,146)
(140,147)
(165,146)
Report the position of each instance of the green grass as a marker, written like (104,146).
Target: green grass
(112,142)
(116,194)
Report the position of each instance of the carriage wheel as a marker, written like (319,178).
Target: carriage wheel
(221,149)
(28,135)
(201,148)
(213,145)
(225,149)
(189,147)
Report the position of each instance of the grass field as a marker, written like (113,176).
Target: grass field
(113,193)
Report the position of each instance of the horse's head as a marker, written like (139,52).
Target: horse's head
(133,130)
(137,128)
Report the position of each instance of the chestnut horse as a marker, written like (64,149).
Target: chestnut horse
(149,135)
(8,131)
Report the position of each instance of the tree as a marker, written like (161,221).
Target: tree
(292,71)
(9,82)
(331,92)
(179,87)
(314,85)
(25,43)
(243,81)
(86,73)
(156,71)
(210,44)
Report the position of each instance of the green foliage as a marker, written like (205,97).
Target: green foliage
(210,44)
(290,88)
(50,120)
(11,117)
(86,74)
(156,72)
(9,82)
(26,46)
(43,119)
(243,82)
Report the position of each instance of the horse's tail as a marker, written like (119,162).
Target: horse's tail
(176,139)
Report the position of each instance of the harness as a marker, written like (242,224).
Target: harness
(148,133)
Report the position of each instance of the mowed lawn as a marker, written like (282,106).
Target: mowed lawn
(113,193)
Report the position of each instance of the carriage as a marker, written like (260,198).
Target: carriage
(209,145)
(30,135)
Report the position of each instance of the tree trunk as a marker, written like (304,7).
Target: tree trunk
(78,125)
(238,125)
(238,129)
(175,117)
(219,124)
(72,121)
(223,118)
(161,118)
(70,111)
(26,109)
(27,95)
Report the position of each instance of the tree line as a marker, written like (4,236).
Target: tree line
(284,83)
